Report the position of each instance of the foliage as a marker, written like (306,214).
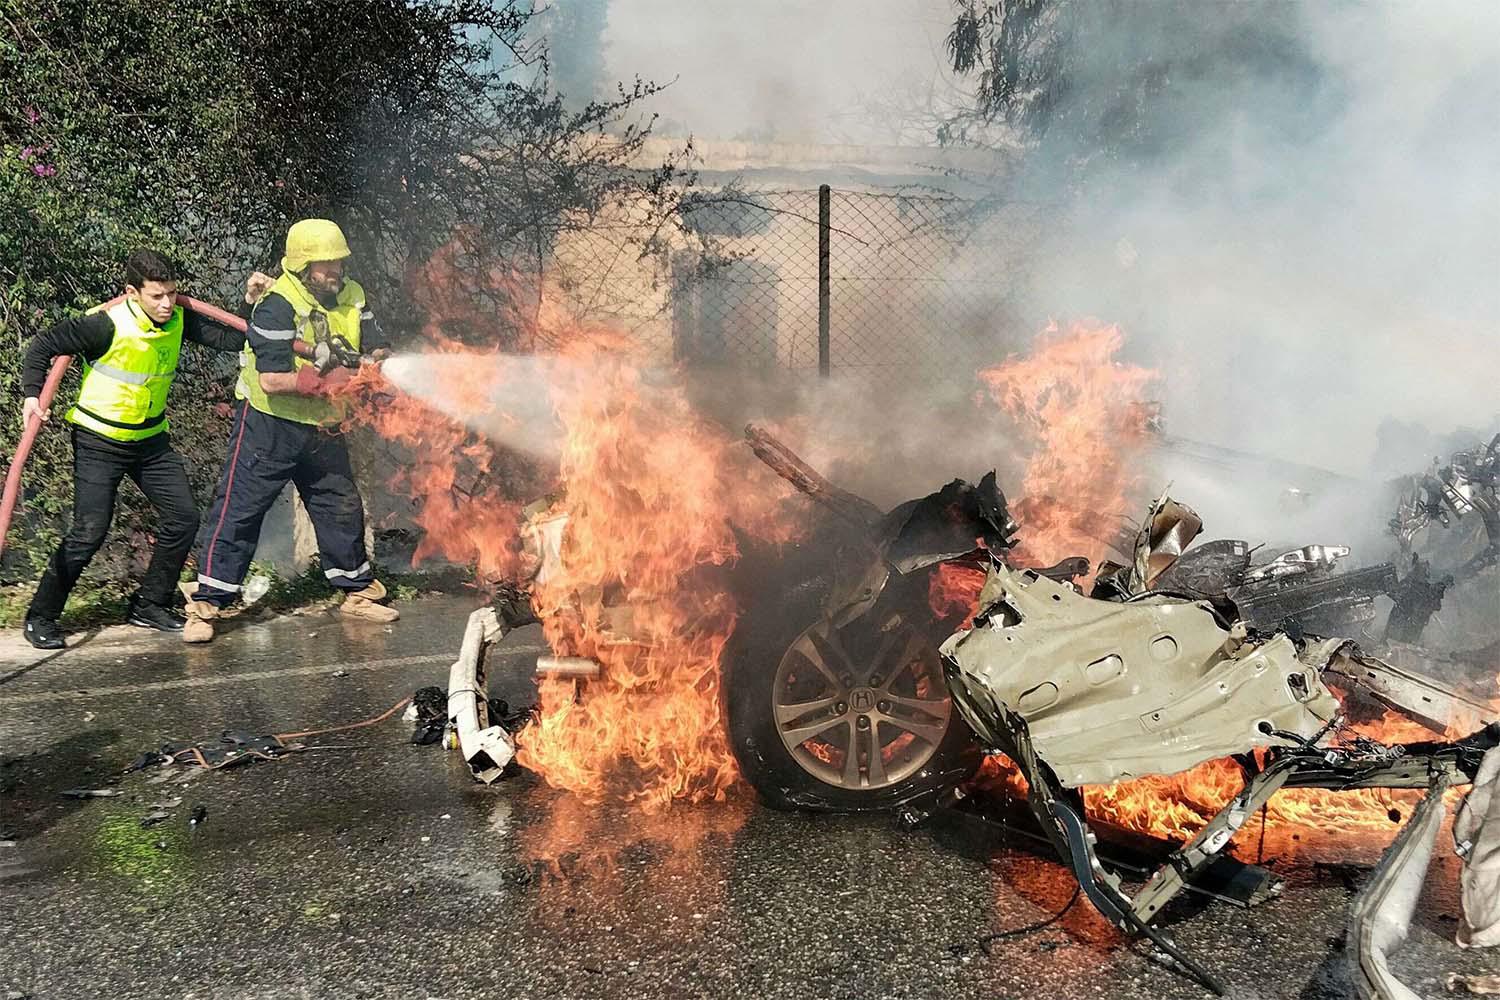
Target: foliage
(1116,80)
(204,127)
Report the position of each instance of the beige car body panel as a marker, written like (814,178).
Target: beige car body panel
(1115,691)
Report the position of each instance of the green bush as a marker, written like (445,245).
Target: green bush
(204,127)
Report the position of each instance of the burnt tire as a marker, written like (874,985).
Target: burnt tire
(915,731)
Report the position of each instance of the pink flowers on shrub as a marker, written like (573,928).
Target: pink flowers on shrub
(30,153)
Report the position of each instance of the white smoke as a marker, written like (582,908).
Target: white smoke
(1301,277)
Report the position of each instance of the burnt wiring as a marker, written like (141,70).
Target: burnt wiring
(1032,928)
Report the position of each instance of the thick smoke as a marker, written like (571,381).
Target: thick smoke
(1313,263)
(792,71)
(1311,259)
(1306,245)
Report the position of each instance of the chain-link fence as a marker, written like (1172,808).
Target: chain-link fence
(914,288)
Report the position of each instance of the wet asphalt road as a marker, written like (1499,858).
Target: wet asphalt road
(379,869)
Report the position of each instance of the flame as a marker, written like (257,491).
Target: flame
(463,487)
(1085,412)
(653,494)
(953,591)
(1175,807)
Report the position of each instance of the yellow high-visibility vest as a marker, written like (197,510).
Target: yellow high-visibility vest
(124,392)
(342,320)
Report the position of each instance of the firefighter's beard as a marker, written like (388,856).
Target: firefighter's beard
(325,291)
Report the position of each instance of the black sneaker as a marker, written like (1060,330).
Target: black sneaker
(148,615)
(43,633)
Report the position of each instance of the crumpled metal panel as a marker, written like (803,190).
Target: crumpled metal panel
(1119,690)
(1476,831)
(1380,916)
(1170,527)
(1167,531)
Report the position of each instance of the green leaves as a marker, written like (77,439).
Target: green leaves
(203,128)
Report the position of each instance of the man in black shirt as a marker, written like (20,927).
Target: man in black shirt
(129,353)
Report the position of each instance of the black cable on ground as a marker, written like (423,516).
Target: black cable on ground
(989,939)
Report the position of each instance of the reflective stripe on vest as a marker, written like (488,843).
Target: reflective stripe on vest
(343,321)
(124,392)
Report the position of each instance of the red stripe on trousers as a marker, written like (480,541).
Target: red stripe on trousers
(234,461)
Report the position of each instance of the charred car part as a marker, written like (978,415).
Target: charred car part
(478,729)
(1079,690)
(832,685)
(1469,485)
(486,748)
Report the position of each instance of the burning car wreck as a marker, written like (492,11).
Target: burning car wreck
(1181,657)
(862,680)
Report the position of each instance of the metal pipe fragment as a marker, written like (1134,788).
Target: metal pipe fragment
(568,667)
(486,748)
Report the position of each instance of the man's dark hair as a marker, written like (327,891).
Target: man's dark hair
(148,265)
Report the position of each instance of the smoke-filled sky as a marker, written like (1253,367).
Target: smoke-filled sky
(792,70)
(1324,256)
(1321,252)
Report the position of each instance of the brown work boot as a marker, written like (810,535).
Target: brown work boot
(199,626)
(362,604)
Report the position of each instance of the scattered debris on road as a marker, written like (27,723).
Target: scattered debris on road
(428,713)
(1477,985)
(230,749)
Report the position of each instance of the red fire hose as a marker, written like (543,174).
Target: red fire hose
(49,389)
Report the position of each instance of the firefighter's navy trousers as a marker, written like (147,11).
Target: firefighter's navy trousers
(265,453)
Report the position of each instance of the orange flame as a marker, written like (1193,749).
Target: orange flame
(1085,412)
(463,488)
(953,591)
(653,495)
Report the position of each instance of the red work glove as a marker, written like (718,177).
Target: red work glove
(336,379)
(309,382)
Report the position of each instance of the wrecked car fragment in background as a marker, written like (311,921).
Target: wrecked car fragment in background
(1469,485)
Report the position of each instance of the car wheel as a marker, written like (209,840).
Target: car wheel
(847,718)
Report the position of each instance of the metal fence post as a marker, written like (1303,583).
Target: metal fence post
(825,361)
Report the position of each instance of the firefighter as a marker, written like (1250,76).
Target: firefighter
(286,430)
(129,353)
